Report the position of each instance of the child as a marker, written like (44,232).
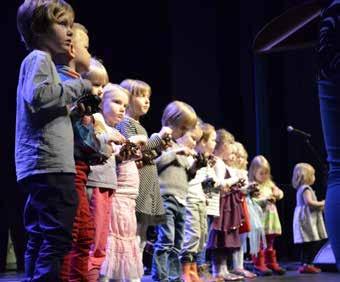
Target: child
(224,237)
(269,193)
(174,172)
(195,230)
(308,223)
(87,150)
(149,205)
(240,165)
(123,260)
(44,137)
(102,182)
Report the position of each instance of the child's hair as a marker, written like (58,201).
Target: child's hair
(207,130)
(77,26)
(257,163)
(136,87)
(223,137)
(197,132)
(34,17)
(302,174)
(96,66)
(110,89)
(241,150)
(177,114)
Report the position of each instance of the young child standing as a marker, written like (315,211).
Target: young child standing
(195,230)
(149,204)
(44,136)
(102,181)
(308,223)
(123,260)
(240,165)
(224,237)
(269,193)
(87,150)
(174,173)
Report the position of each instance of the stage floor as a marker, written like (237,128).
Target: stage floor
(290,276)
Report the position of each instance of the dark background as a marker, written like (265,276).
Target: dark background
(199,52)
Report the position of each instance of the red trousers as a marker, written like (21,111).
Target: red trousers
(75,264)
(100,207)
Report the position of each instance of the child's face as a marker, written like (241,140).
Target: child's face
(209,146)
(312,179)
(140,103)
(231,159)
(244,162)
(226,150)
(179,131)
(58,39)
(261,175)
(188,140)
(81,51)
(98,79)
(115,106)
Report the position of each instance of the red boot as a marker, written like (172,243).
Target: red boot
(259,266)
(271,262)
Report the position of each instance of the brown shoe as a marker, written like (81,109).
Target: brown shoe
(186,272)
(194,273)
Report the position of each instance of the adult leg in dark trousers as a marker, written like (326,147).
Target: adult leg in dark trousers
(49,213)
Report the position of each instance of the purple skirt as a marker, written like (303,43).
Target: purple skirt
(224,232)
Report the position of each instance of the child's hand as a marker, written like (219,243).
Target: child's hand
(183,151)
(225,189)
(272,200)
(116,138)
(87,120)
(165,131)
(138,139)
(322,203)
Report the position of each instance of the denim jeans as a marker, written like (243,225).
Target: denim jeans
(165,263)
(329,94)
(49,213)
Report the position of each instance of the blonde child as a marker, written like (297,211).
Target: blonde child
(308,223)
(102,180)
(240,166)
(269,193)
(174,172)
(224,236)
(149,205)
(44,137)
(122,260)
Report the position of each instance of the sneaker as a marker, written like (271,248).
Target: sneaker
(245,273)
(308,269)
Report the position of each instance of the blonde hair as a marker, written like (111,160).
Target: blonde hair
(177,114)
(35,17)
(136,87)
(223,137)
(96,66)
(257,163)
(241,150)
(242,153)
(303,174)
(110,89)
(207,130)
(79,27)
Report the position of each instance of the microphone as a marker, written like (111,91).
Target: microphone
(298,131)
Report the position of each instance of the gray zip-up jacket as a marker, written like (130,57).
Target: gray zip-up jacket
(44,135)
